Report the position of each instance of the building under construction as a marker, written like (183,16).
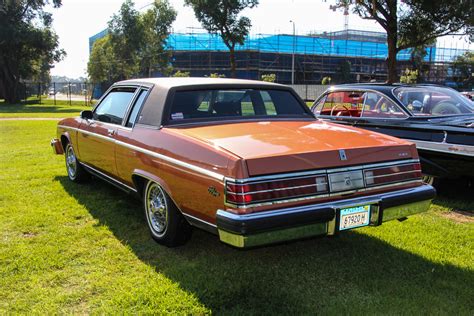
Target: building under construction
(349,55)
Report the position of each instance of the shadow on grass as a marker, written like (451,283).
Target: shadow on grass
(456,194)
(351,273)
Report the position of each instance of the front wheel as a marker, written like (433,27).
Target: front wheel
(166,224)
(75,171)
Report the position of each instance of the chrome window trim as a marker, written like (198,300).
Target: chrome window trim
(136,87)
(133,103)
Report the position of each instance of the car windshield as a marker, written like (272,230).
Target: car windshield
(222,104)
(434,101)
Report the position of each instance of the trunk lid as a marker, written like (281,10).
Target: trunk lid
(285,146)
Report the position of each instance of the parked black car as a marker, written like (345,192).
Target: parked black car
(439,120)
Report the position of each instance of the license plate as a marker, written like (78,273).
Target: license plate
(352,217)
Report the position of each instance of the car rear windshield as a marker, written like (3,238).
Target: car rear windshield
(224,104)
(434,101)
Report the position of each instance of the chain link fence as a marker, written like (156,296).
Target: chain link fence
(309,92)
(60,92)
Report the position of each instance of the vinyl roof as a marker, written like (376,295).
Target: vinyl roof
(171,82)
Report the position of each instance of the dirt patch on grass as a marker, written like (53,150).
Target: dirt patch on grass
(459,216)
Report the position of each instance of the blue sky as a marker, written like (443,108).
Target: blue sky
(77,20)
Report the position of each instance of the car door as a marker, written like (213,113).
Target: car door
(96,138)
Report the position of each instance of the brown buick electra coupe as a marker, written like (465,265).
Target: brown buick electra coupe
(245,160)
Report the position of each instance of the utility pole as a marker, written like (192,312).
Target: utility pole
(293,55)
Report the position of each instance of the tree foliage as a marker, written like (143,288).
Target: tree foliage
(28,45)
(413,23)
(135,44)
(463,70)
(222,17)
(326,81)
(409,76)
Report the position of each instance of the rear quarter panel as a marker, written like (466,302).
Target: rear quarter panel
(163,156)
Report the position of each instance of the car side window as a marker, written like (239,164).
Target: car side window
(379,106)
(136,108)
(113,107)
(341,103)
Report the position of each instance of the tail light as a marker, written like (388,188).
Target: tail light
(274,190)
(250,192)
(392,174)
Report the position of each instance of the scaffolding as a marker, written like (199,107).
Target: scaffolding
(316,55)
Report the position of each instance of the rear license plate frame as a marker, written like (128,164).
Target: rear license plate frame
(354,216)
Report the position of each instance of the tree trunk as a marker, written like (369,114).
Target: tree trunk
(392,39)
(392,59)
(9,84)
(232,61)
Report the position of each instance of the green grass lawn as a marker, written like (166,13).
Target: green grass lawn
(45,109)
(68,248)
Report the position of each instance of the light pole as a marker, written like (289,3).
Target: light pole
(293,55)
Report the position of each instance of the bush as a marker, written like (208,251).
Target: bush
(326,80)
(216,75)
(180,73)
(268,77)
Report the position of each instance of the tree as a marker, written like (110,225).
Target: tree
(221,17)
(412,23)
(28,45)
(135,45)
(156,24)
(126,36)
(343,74)
(463,70)
(102,67)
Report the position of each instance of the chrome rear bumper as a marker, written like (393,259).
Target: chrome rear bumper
(248,230)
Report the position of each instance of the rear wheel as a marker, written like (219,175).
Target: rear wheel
(166,224)
(75,171)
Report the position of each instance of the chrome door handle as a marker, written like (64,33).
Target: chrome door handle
(111,132)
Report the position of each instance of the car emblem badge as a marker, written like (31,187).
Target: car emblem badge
(213,191)
(342,154)
(348,181)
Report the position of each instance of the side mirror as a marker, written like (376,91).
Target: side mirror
(86,114)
